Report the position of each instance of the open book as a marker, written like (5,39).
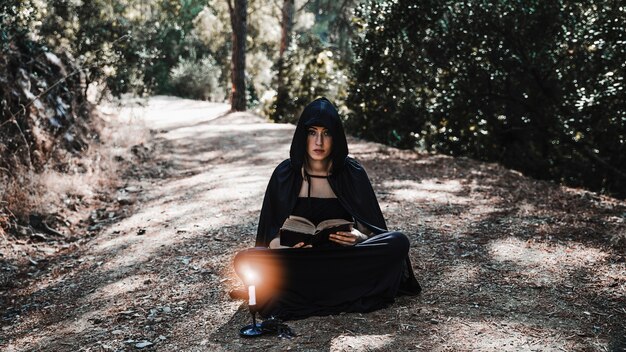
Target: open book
(297,229)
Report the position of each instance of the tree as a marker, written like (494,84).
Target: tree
(314,54)
(535,85)
(238,18)
(283,105)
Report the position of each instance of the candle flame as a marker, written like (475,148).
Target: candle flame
(251,277)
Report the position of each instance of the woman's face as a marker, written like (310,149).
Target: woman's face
(319,143)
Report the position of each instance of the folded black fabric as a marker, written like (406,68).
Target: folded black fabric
(276,326)
(303,282)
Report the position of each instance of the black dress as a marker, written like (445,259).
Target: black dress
(297,283)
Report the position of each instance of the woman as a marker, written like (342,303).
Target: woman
(367,267)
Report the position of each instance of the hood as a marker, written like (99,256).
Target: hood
(320,112)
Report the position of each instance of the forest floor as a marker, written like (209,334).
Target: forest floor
(506,262)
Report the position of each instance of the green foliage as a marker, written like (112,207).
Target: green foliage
(44,115)
(307,73)
(212,28)
(316,63)
(538,86)
(333,24)
(131,45)
(166,38)
(197,79)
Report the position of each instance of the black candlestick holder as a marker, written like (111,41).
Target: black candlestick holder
(254,329)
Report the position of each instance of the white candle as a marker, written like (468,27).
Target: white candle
(251,296)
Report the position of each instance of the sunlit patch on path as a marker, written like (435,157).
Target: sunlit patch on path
(536,256)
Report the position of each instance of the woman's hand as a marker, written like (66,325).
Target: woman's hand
(300,245)
(346,238)
(275,244)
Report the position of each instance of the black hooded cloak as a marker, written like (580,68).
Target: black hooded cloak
(319,281)
(347,177)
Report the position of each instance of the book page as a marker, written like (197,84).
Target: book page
(331,223)
(303,225)
(298,224)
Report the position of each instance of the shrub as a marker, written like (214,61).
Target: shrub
(197,79)
(305,74)
(536,85)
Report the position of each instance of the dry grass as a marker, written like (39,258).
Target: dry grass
(19,195)
(70,185)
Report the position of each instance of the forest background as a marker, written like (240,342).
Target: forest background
(536,86)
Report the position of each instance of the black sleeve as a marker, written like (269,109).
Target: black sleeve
(356,194)
(280,196)
(267,225)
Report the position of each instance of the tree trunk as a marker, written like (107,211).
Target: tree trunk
(286,25)
(238,22)
(282,90)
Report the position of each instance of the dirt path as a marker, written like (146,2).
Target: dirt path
(507,263)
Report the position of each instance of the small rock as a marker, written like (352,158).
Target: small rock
(38,237)
(95,227)
(143,344)
(167,310)
(117,332)
(434,321)
(141,231)
(124,198)
(132,189)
